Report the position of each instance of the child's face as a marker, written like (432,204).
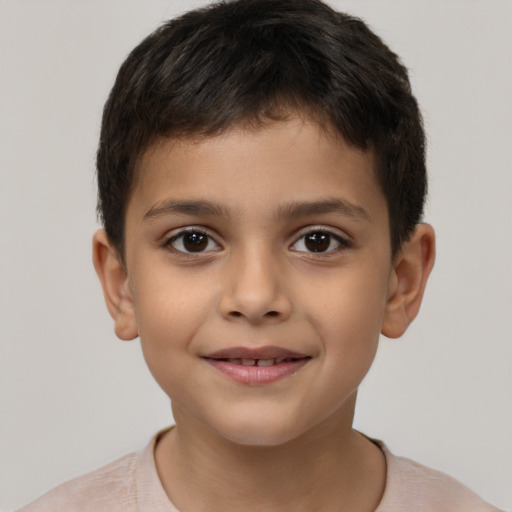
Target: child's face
(258,244)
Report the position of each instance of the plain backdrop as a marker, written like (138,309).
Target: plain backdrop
(73,397)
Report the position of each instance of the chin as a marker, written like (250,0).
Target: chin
(258,433)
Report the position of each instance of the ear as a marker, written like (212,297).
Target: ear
(114,281)
(411,268)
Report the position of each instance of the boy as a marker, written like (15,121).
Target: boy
(261,176)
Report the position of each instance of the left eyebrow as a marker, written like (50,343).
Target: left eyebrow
(305,209)
(184,208)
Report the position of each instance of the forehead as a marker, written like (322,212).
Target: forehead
(257,167)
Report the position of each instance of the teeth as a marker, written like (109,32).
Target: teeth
(258,362)
(265,362)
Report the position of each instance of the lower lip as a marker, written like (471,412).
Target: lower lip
(255,375)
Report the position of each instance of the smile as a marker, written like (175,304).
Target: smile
(257,366)
(260,362)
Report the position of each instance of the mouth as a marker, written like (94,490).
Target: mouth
(257,366)
(259,362)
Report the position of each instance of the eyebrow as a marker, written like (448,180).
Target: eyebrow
(199,207)
(289,210)
(305,209)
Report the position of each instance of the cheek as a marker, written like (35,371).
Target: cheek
(348,301)
(169,310)
(348,315)
(166,327)
(166,299)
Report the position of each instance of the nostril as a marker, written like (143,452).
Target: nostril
(256,317)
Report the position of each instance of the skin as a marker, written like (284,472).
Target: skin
(287,444)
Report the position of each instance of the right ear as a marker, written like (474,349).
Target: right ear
(114,281)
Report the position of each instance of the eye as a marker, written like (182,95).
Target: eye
(319,241)
(192,241)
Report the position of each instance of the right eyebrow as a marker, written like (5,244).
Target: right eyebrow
(171,207)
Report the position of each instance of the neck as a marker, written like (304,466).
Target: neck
(331,468)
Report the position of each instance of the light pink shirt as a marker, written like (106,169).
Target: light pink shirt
(131,484)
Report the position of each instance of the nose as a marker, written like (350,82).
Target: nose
(255,288)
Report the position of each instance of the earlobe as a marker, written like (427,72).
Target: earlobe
(114,283)
(411,268)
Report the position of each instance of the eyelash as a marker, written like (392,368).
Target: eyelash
(190,231)
(342,243)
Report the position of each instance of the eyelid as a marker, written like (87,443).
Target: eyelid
(175,234)
(344,240)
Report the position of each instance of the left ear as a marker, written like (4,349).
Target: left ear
(411,268)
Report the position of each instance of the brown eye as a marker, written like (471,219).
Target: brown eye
(193,242)
(319,242)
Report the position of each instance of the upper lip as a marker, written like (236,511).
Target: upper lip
(268,352)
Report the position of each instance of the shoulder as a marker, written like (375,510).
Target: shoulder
(112,487)
(107,489)
(129,484)
(411,486)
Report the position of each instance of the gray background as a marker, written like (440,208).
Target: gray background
(72,397)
